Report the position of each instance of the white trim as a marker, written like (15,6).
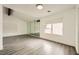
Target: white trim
(1,24)
(76,33)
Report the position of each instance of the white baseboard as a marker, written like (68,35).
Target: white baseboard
(13,35)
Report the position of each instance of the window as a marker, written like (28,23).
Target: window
(48,28)
(57,28)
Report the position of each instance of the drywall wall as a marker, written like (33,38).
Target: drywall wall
(77,28)
(1,15)
(78,31)
(77,42)
(67,17)
(13,25)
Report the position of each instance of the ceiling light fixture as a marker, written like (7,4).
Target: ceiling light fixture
(39,6)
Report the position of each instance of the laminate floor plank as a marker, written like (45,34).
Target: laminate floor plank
(26,45)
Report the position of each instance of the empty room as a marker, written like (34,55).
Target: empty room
(39,29)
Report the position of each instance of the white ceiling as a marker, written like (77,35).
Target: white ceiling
(30,9)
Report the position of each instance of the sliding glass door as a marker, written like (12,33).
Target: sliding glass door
(34,28)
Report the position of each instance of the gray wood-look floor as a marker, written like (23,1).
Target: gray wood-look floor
(25,45)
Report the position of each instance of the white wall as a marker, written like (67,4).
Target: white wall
(13,26)
(77,40)
(67,17)
(78,31)
(1,13)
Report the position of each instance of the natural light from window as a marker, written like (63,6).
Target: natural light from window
(48,29)
(57,28)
